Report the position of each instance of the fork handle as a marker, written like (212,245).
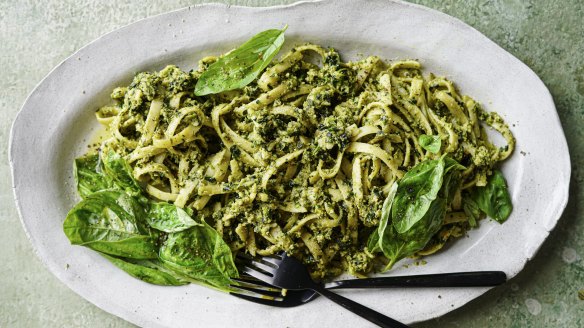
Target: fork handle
(454,279)
(361,310)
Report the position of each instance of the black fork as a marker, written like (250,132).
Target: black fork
(287,272)
(257,291)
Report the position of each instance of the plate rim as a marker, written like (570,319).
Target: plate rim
(55,270)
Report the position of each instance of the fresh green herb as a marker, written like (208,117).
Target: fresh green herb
(471,209)
(417,189)
(452,178)
(494,199)
(118,171)
(117,220)
(88,175)
(414,209)
(200,253)
(107,221)
(431,143)
(396,246)
(168,218)
(373,243)
(241,66)
(151,271)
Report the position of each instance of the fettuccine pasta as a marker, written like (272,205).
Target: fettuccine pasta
(301,159)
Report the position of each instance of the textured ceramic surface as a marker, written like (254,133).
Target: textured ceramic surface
(57,119)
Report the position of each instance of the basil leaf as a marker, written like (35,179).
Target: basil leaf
(452,179)
(108,221)
(200,254)
(150,271)
(416,191)
(116,169)
(494,199)
(168,218)
(89,176)
(471,209)
(396,246)
(117,223)
(241,66)
(414,209)
(374,242)
(431,143)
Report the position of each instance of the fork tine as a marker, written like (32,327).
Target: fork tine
(271,260)
(277,302)
(267,267)
(256,294)
(266,277)
(253,283)
(262,266)
(276,299)
(259,292)
(252,289)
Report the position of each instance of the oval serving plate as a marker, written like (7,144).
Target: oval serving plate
(56,124)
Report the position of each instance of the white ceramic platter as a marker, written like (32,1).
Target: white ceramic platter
(57,120)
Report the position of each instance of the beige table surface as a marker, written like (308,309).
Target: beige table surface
(547,35)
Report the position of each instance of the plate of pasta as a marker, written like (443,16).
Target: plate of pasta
(400,144)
